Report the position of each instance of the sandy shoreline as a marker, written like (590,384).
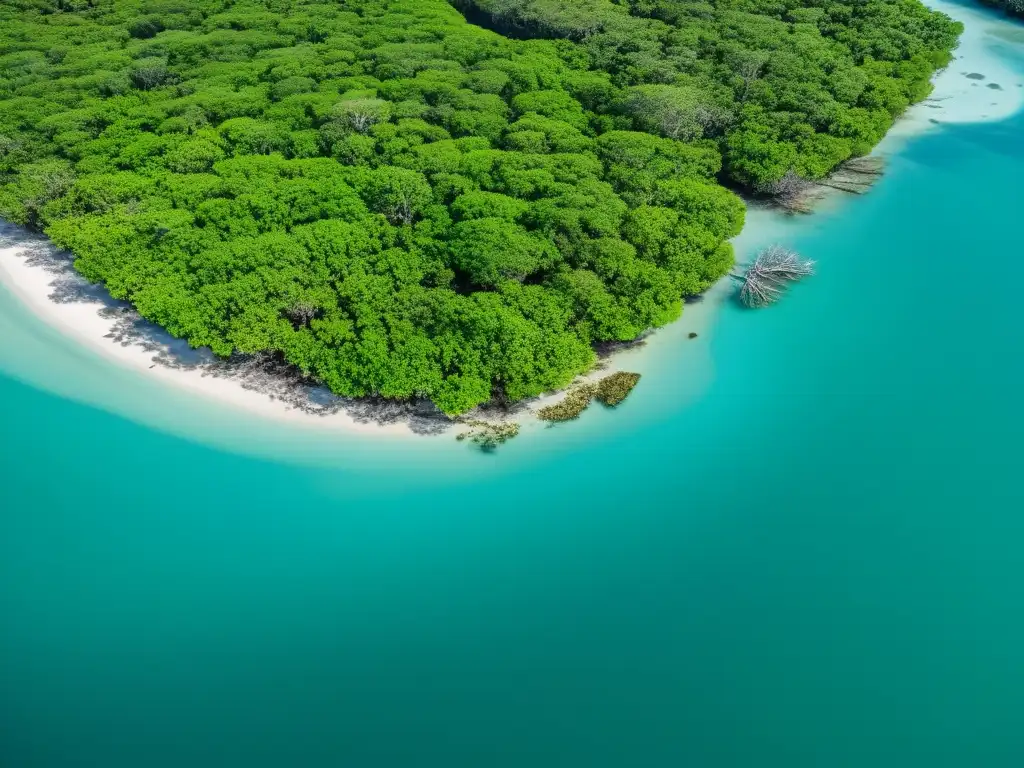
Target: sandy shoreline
(44,280)
(977,86)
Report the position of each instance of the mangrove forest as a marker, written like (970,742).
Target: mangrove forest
(454,201)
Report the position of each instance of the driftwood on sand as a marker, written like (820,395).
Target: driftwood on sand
(771,272)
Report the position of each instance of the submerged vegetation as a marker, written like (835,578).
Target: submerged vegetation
(488,434)
(611,390)
(401,203)
(575,402)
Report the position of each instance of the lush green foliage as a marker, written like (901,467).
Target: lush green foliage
(403,204)
(783,84)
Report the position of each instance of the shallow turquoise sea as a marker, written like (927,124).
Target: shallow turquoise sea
(801,542)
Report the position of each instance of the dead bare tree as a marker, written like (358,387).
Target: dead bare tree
(749,72)
(713,119)
(362,114)
(401,210)
(301,314)
(796,194)
(7,145)
(792,192)
(674,112)
(767,278)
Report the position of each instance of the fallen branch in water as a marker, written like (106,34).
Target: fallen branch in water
(767,278)
(795,194)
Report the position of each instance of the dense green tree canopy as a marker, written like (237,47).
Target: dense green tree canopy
(404,203)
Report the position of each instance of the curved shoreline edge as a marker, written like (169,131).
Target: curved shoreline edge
(44,279)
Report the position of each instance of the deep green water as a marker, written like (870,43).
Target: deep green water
(808,551)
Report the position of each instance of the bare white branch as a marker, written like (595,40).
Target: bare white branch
(770,274)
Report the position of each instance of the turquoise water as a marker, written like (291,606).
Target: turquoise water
(800,544)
